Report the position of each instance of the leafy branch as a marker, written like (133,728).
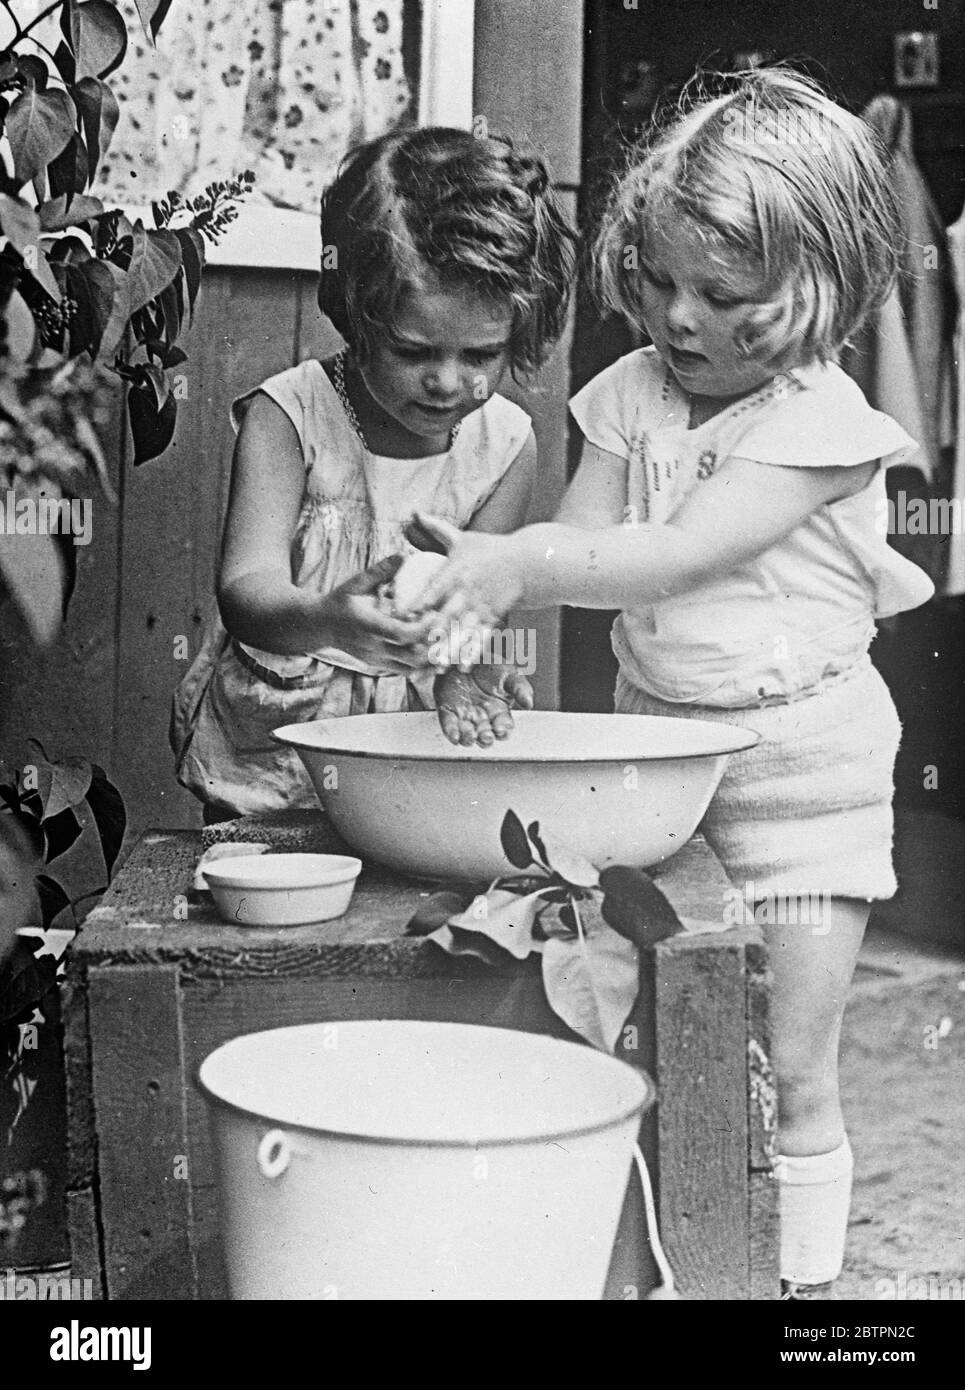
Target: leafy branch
(81,282)
(587,926)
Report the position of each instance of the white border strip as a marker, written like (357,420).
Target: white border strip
(448,50)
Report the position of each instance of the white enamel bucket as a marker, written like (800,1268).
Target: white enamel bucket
(409,1160)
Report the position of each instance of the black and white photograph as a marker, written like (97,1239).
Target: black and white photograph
(482,664)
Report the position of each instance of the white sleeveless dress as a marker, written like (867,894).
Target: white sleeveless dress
(353,512)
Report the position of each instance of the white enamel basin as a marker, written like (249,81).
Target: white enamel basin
(620,788)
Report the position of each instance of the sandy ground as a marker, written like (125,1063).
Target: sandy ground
(903,1090)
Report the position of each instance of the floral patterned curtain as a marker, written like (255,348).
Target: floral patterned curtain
(281,87)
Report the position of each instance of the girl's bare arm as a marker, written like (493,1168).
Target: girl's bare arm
(744,509)
(259,603)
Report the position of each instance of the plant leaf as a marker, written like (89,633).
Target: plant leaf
(192,260)
(505,918)
(437,910)
(92,287)
(170,313)
(21,328)
(34,69)
(53,899)
(99,113)
(152,13)
(24,981)
(39,125)
(514,841)
(34,743)
(532,830)
(54,213)
(33,573)
(22,225)
(155,260)
(19,222)
(64,59)
(98,36)
(634,906)
(110,817)
(117,323)
(570,865)
(67,174)
(62,784)
(593,990)
(20,859)
(465,943)
(151,429)
(60,832)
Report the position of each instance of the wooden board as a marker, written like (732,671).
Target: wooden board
(85,1243)
(511,87)
(81,1133)
(703,1143)
(763,1221)
(138,1088)
(173,510)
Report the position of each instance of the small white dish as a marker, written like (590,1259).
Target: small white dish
(283,890)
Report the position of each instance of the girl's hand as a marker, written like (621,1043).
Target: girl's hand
(358,625)
(474,706)
(480,581)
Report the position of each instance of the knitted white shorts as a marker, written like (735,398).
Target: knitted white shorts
(809,808)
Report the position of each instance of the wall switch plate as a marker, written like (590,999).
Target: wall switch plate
(916,58)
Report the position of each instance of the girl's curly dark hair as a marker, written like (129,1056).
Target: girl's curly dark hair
(474,210)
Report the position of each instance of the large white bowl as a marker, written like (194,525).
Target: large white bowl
(620,788)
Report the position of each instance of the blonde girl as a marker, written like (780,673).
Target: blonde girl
(728,502)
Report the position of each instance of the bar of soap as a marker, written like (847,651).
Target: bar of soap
(225,850)
(411,578)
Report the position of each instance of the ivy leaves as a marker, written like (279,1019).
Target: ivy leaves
(586,927)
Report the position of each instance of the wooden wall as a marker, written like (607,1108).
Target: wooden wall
(147,580)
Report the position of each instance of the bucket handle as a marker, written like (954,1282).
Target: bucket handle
(274,1153)
(666,1289)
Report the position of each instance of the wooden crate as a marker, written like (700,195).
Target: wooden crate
(156,982)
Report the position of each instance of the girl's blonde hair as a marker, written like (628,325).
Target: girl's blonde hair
(777,174)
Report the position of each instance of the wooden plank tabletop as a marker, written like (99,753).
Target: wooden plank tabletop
(151,913)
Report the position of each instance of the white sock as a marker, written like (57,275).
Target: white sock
(815,1198)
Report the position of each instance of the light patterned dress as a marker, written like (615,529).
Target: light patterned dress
(281,87)
(354,509)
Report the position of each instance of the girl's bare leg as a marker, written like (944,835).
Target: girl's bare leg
(812,966)
(813,962)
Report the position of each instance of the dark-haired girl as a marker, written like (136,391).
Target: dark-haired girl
(446,260)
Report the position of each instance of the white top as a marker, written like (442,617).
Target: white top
(356,503)
(802,611)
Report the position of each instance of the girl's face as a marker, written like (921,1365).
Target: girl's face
(695,305)
(442,359)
